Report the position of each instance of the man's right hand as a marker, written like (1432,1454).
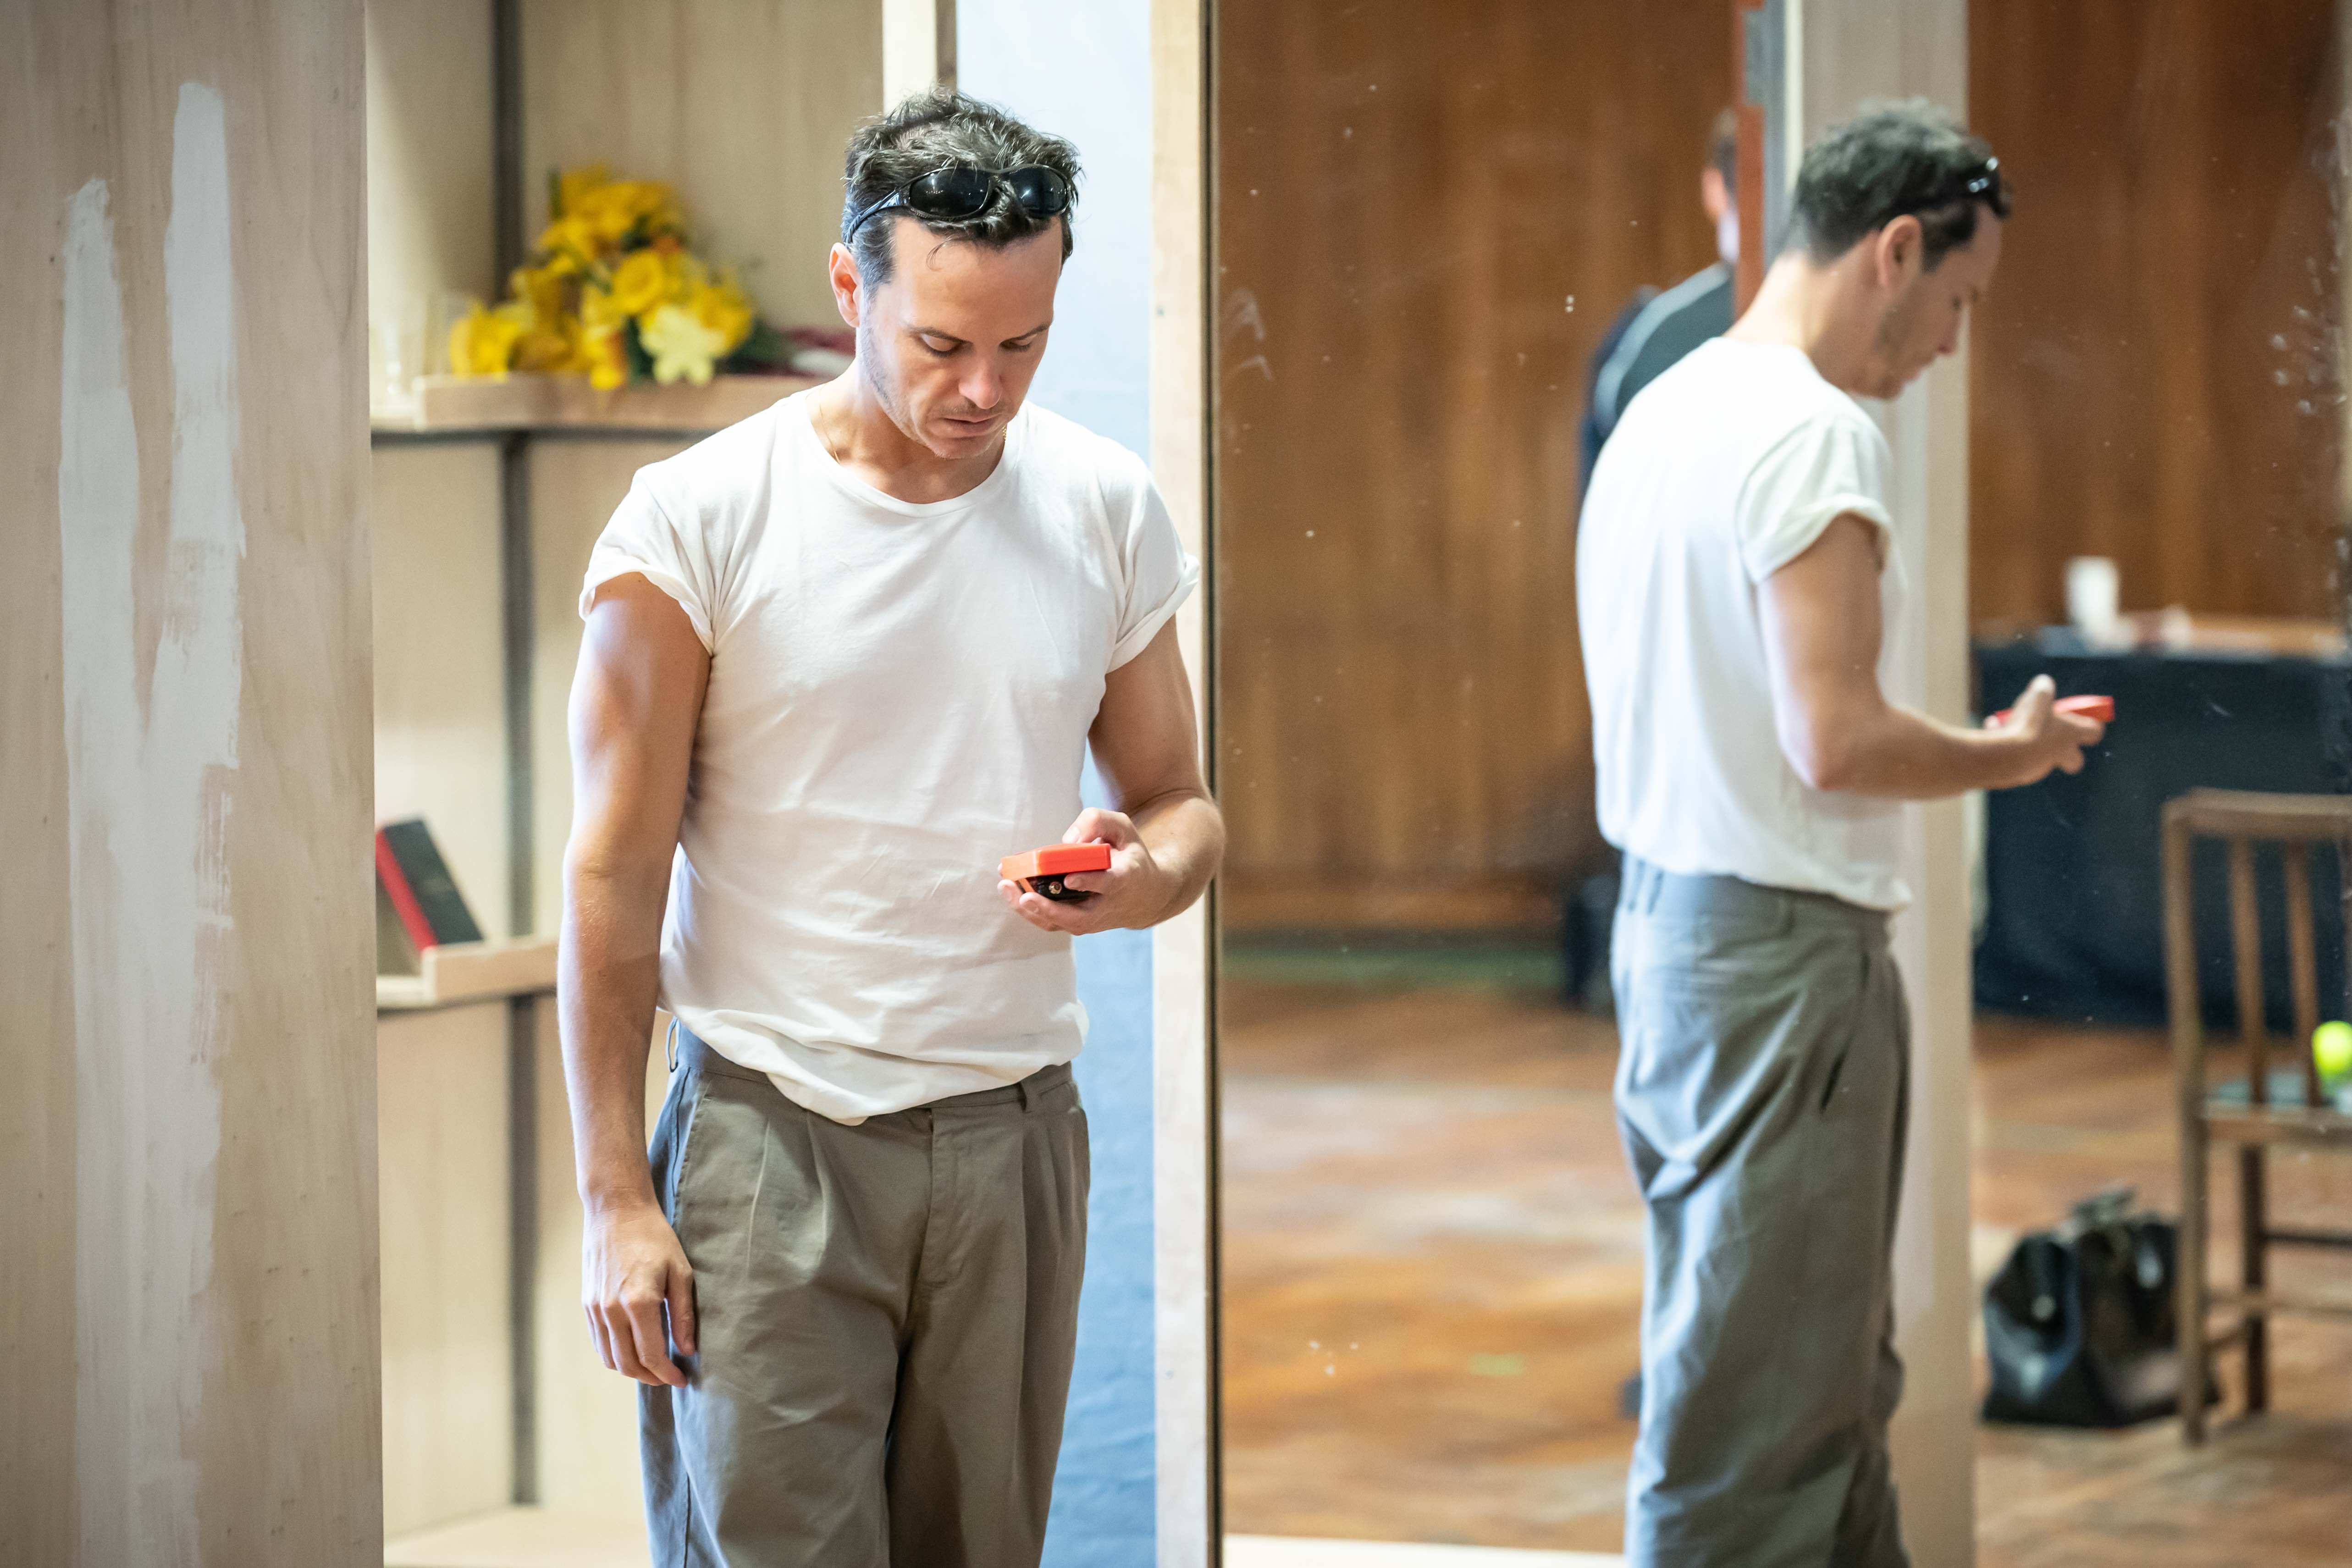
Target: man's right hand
(632,1268)
(2044,738)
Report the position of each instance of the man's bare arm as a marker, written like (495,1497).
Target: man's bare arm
(1167,838)
(1822,636)
(635,703)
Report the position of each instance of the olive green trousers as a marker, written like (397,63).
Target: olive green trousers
(886,1316)
(1763,1090)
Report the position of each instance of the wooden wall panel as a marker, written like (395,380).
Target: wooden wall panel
(2155,371)
(448,1250)
(744,104)
(440,690)
(1427,216)
(430,145)
(187,1145)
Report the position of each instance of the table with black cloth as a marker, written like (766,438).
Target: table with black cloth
(2073,874)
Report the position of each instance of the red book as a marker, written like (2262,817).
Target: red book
(418,883)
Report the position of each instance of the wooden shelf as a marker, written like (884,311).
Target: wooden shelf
(470,972)
(458,404)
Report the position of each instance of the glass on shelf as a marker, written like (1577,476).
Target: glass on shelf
(397,342)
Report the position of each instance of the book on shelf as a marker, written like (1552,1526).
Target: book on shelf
(414,885)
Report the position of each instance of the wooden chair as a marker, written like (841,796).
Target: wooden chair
(2298,824)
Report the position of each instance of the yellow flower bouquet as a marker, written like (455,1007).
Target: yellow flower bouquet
(614,293)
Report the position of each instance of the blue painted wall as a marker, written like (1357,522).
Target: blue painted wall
(1084,71)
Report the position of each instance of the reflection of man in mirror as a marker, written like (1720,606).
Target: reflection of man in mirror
(1657,328)
(1735,572)
(840,659)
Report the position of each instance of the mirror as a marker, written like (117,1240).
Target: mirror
(1436,229)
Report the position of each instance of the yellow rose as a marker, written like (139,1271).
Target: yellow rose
(573,186)
(482,342)
(603,215)
(598,312)
(545,350)
(614,210)
(642,282)
(723,308)
(681,346)
(542,289)
(652,203)
(570,244)
(606,357)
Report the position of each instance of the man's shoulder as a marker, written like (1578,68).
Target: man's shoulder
(1816,409)
(1777,393)
(1060,454)
(721,468)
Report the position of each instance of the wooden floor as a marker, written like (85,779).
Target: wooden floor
(543,1538)
(1433,1270)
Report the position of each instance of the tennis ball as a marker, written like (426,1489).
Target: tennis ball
(2331,1048)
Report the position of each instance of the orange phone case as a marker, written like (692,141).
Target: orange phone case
(1040,871)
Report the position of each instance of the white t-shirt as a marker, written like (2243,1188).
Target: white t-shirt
(899,697)
(1724,470)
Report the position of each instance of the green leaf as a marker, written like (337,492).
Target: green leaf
(764,352)
(641,364)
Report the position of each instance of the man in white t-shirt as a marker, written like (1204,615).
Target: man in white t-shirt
(840,659)
(1735,570)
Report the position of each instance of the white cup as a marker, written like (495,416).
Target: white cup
(2094,594)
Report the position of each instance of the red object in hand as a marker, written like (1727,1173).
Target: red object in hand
(1040,871)
(2102,708)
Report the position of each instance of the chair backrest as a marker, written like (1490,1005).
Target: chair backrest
(2298,825)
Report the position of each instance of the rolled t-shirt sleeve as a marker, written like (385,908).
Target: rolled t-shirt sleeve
(1832,464)
(1160,575)
(642,538)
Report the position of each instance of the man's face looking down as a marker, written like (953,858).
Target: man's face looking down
(952,338)
(1921,309)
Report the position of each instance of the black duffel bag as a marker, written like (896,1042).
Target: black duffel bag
(2080,1328)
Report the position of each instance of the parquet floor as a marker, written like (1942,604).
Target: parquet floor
(1432,1269)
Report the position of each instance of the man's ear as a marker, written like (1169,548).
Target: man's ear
(841,270)
(1714,196)
(1899,244)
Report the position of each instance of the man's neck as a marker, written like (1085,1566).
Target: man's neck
(1809,308)
(859,432)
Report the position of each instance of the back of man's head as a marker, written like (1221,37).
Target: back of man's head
(1890,160)
(936,129)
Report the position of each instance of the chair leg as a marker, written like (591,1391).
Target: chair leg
(2191,1290)
(2253,1217)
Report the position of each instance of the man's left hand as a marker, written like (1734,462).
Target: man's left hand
(1135,893)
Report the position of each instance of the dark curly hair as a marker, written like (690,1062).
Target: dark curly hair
(1890,160)
(929,131)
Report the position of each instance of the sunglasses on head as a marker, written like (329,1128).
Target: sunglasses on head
(960,190)
(1981,183)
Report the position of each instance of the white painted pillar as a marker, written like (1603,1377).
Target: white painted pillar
(918,47)
(1841,52)
(1183,950)
(188,1134)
